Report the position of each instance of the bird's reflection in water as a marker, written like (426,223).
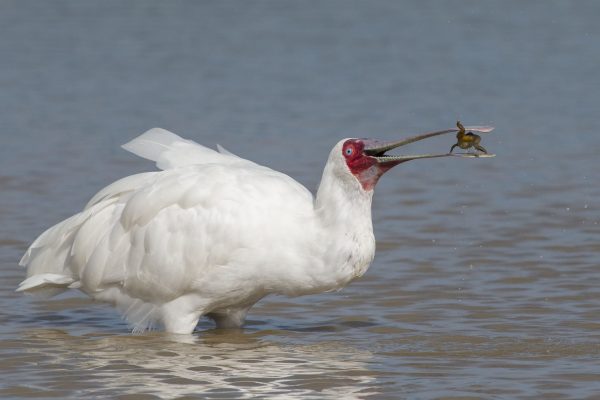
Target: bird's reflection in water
(222,363)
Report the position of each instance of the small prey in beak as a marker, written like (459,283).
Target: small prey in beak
(467,140)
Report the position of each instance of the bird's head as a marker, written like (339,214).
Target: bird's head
(365,162)
(367,159)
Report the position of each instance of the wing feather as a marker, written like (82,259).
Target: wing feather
(169,150)
(122,187)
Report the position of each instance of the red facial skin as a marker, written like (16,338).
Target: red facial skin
(365,168)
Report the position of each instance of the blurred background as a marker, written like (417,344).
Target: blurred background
(485,281)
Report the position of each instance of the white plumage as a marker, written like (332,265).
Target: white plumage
(211,234)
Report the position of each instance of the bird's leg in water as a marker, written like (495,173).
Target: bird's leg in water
(230,318)
(180,315)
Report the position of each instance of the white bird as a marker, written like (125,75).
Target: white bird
(212,233)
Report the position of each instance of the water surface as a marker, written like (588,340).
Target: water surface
(485,283)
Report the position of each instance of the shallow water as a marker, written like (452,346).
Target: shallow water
(485,283)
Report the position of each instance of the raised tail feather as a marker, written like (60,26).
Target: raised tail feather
(169,150)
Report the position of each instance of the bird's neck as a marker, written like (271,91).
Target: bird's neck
(343,208)
(342,200)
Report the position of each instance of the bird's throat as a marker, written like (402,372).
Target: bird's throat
(369,177)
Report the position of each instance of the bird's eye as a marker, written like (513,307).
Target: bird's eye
(349,151)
